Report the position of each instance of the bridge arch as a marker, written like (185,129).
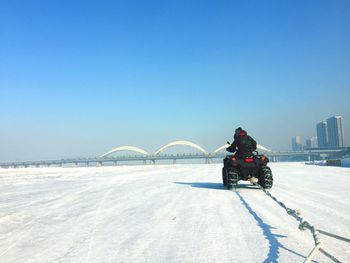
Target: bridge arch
(187,143)
(258,146)
(125,148)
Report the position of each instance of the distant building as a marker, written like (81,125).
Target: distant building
(296,143)
(322,134)
(311,143)
(335,131)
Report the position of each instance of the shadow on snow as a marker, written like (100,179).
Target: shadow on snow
(217,186)
(274,244)
(207,185)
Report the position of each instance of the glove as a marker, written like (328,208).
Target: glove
(228,142)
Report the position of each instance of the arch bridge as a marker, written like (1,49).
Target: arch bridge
(159,154)
(125,148)
(172,144)
(186,143)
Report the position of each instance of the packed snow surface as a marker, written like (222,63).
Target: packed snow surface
(168,213)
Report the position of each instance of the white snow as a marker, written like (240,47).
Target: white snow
(168,213)
(343,162)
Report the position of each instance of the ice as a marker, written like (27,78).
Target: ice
(168,213)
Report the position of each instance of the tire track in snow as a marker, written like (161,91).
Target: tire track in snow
(96,222)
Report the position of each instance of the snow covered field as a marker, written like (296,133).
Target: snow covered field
(168,213)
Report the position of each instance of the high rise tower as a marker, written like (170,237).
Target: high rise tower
(335,131)
(311,142)
(296,143)
(322,134)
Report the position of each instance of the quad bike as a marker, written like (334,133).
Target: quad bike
(252,168)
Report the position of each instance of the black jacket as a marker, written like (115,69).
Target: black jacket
(243,144)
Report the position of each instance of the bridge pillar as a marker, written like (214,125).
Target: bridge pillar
(174,161)
(208,160)
(153,161)
(99,164)
(115,163)
(144,162)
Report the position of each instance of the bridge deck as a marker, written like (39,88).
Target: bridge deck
(312,153)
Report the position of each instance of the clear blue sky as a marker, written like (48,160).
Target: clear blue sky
(80,77)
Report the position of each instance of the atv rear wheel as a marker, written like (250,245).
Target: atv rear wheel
(232,178)
(266,179)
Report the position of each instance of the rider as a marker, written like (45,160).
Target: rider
(243,144)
